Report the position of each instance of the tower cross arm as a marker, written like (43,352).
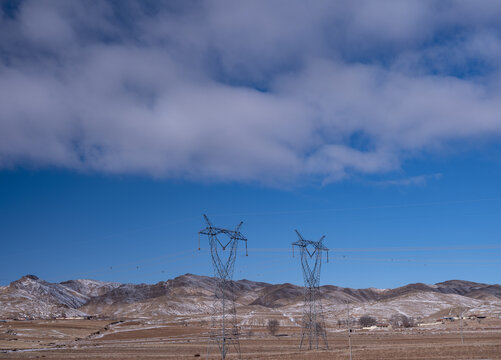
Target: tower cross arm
(299,243)
(321,247)
(239,237)
(211,231)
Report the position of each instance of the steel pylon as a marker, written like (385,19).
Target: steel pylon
(313,326)
(224,328)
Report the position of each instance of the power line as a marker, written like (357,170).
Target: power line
(284,253)
(114,267)
(392,249)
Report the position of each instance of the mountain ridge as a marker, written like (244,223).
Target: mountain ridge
(31,297)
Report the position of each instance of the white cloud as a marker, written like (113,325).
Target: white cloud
(411,181)
(271,92)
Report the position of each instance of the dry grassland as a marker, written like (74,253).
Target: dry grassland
(91,339)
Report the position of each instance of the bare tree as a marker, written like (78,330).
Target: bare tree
(367,320)
(401,320)
(273,326)
(408,321)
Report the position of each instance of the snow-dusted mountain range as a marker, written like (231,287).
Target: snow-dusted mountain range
(31,297)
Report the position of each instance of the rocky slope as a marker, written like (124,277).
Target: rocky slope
(90,288)
(31,297)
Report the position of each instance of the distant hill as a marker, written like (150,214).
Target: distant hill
(31,297)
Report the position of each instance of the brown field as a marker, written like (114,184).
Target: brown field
(93,339)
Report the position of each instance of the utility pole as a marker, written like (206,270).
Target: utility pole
(349,329)
(313,319)
(224,330)
(461,320)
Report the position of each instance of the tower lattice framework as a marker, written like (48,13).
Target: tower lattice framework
(313,327)
(224,328)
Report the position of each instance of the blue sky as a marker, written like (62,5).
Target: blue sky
(60,225)
(378,126)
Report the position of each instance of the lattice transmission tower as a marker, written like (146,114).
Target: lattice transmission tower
(224,330)
(313,326)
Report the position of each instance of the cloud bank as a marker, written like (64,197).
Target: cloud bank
(272,92)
